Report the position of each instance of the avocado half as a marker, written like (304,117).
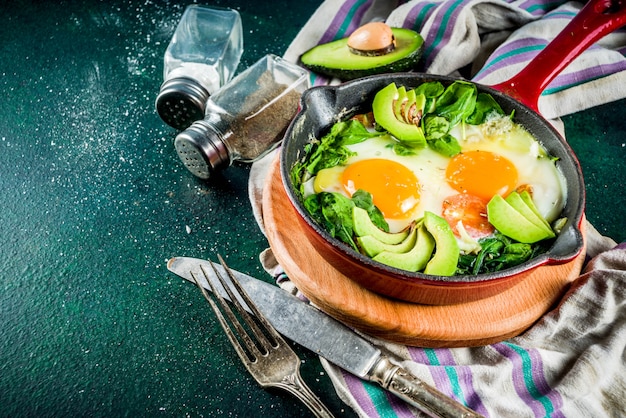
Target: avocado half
(335,59)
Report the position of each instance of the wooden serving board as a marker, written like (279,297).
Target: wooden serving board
(481,322)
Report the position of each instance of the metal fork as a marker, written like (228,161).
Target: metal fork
(265,354)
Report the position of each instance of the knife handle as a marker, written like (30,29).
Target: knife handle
(402,383)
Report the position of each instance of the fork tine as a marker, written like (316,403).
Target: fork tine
(270,331)
(248,354)
(262,342)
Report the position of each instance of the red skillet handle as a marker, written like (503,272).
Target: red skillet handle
(595,20)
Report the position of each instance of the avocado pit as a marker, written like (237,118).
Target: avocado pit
(372,39)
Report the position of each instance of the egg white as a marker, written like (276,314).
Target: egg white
(428,166)
(533,166)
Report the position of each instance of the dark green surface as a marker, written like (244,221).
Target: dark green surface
(94,201)
(598,137)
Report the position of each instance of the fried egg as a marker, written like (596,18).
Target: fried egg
(493,160)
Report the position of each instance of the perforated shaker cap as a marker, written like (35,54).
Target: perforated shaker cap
(181,101)
(201,149)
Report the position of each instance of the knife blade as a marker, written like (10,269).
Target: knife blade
(308,326)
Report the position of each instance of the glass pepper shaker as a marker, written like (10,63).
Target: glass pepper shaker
(203,54)
(245,119)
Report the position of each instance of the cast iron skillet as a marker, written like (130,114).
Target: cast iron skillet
(322,106)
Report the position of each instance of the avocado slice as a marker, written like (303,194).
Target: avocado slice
(413,260)
(416,104)
(371,246)
(408,105)
(335,59)
(387,107)
(527,208)
(526,197)
(398,103)
(363,226)
(446,257)
(506,219)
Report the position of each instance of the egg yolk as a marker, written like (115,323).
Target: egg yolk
(394,188)
(481,173)
(327,179)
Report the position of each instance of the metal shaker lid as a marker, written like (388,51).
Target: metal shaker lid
(202,150)
(181,101)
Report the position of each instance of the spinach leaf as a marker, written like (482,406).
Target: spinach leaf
(352,132)
(491,248)
(402,149)
(333,211)
(485,106)
(435,127)
(337,213)
(515,254)
(437,136)
(313,205)
(363,199)
(331,150)
(446,145)
(327,153)
(457,102)
(498,253)
(431,91)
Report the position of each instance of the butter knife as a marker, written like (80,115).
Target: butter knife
(329,338)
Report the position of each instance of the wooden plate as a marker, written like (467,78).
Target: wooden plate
(481,322)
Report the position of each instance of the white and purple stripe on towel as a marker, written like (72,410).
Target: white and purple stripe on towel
(454,34)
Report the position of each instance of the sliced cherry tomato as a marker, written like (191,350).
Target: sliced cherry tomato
(471,211)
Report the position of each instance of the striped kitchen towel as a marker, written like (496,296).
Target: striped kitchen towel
(571,363)
(485,40)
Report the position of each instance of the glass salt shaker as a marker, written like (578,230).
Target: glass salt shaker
(245,119)
(202,56)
